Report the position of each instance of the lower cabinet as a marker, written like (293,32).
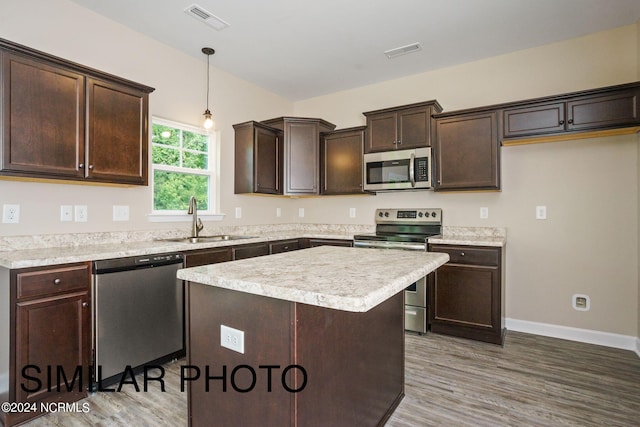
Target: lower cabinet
(50,320)
(284,246)
(251,250)
(207,256)
(312,243)
(466,295)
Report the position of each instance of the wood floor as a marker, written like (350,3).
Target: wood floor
(531,381)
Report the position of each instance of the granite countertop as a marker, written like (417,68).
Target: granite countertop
(341,278)
(43,250)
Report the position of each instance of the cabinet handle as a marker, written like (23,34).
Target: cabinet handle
(90,167)
(85,304)
(394,142)
(461,253)
(286,248)
(561,122)
(399,142)
(57,281)
(81,165)
(570,121)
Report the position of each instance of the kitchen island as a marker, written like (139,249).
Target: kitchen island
(317,337)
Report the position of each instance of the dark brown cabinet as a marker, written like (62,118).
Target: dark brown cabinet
(258,159)
(207,256)
(466,295)
(65,121)
(604,108)
(301,157)
(313,242)
(403,127)
(467,151)
(341,162)
(51,320)
(284,246)
(250,250)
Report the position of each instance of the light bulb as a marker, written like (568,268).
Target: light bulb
(208,120)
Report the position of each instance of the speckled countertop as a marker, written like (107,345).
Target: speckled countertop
(43,250)
(341,278)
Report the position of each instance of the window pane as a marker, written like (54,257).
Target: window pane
(195,141)
(165,156)
(172,190)
(195,160)
(165,135)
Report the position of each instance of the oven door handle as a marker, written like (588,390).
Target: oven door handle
(405,246)
(412,173)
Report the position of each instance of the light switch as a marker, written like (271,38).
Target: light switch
(484,213)
(541,212)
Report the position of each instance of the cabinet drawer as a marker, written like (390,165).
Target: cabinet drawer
(42,282)
(284,246)
(470,255)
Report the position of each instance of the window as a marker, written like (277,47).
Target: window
(183,166)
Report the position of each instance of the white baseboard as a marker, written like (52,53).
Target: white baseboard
(626,342)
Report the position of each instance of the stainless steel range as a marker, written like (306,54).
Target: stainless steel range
(406,229)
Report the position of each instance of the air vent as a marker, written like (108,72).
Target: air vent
(403,50)
(199,13)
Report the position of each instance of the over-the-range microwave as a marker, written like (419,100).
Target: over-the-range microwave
(398,170)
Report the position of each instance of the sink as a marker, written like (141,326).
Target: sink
(204,239)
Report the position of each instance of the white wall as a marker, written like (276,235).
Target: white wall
(63,28)
(547,261)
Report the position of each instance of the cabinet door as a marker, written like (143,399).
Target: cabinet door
(382,132)
(302,147)
(534,120)
(312,243)
(284,246)
(618,108)
(53,332)
(43,113)
(267,161)
(467,155)
(464,296)
(342,162)
(117,133)
(414,128)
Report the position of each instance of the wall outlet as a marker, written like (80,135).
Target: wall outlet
(66,213)
(121,213)
(541,212)
(238,212)
(231,338)
(278,212)
(352,212)
(10,214)
(484,213)
(81,213)
(301,212)
(581,302)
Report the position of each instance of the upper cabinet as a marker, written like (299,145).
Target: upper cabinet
(467,151)
(341,161)
(258,159)
(563,116)
(403,127)
(301,156)
(61,120)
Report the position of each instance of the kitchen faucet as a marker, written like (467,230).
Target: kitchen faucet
(196,226)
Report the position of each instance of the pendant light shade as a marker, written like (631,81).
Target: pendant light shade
(208,118)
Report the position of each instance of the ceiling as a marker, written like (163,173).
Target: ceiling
(300,49)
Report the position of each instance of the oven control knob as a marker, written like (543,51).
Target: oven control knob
(380,214)
(386,214)
(433,214)
(420,214)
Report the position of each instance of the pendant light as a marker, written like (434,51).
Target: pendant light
(208,120)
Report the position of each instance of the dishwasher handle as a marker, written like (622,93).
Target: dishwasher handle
(135,263)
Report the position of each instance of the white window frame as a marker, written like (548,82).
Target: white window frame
(213,172)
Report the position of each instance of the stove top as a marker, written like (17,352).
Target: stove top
(405,225)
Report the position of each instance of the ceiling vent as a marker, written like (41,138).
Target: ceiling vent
(199,13)
(403,50)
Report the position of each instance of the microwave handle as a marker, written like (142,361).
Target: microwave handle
(412,174)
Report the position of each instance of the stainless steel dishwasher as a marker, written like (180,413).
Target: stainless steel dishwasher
(138,313)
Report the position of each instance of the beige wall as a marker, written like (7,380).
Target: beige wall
(547,261)
(577,250)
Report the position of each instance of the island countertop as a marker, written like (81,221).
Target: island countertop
(342,278)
